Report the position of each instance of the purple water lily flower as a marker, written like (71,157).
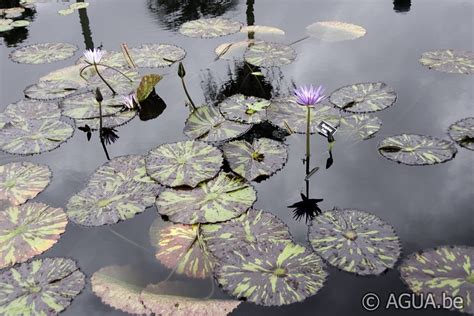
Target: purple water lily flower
(309,95)
(93,56)
(130,101)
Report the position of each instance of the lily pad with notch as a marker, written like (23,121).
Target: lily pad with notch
(121,84)
(449,60)
(335,31)
(85,106)
(360,126)
(109,121)
(43,53)
(52,89)
(157,55)
(462,132)
(210,28)
(27,110)
(244,109)
(267,54)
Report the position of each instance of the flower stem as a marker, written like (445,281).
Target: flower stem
(187,94)
(105,81)
(308,140)
(101,135)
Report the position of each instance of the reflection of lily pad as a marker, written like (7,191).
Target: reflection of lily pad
(261,158)
(28,230)
(40,287)
(334,31)
(207,123)
(417,150)
(354,241)
(119,83)
(462,132)
(364,97)
(244,109)
(360,126)
(85,106)
(26,110)
(184,163)
(450,61)
(217,200)
(21,181)
(115,120)
(51,89)
(156,55)
(43,53)
(440,272)
(264,54)
(270,273)
(209,28)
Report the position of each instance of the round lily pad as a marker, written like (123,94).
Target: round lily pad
(43,53)
(51,89)
(354,241)
(462,132)
(70,73)
(364,97)
(110,121)
(230,51)
(335,31)
(26,110)
(262,30)
(360,126)
(207,123)
(261,158)
(266,54)
(209,28)
(271,273)
(441,272)
(184,163)
(20,23)
(5,25)
(79,5)
(244,109)
(66,11)
(119,83)
(449,60)
(156,55)
(21,181)
(85,106)
(109,58)
(417,150)
(217,200)
(40,287)
(28,230)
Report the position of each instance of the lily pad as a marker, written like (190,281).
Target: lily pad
(209,28)
(261,158)
(360,126)
(364,97)
(417,150)
(51,89)
(262,30)
(110,58)
(34,137)
(20,23)
(271,273)
(119,83)
(78,5)
(449,60)
(335,31)
(67,11)
(111,121)
(207,123)
(462,132)
(40,287)
(156,55)
(70,73)
(217,200)
(244,109)
(5,25)
(43,53)
(235,50)
(184,163)
(266,54)
(354,241)
(4,120)
(85,106)
(26,110)
(28,230)
(21,181)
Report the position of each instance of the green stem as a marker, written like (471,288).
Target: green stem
(187,94)
(105,81)
(308,140)
(300,40)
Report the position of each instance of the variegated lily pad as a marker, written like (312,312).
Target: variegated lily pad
(417,150)
(3,120)
(230,51)
(70,73)
(85,106)
(271,273)
(181,248)
(364,97)
(450,61)
(40,287)
(207,123)
(110,121)
(43,53)
(28,230)
(462,132)
(26,110)
(335,31)
(261,158)
(119,83)
(360,126)
(34,136)
(109,58)
(21,181)
(217,200)
(440,272)
(209,28)
(266,54)
(184,163)
(354,241)
(157,55)
(244,109)
(52,89)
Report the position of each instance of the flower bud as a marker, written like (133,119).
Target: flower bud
(181,71)
(98,96)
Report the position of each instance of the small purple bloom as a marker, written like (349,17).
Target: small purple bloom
(309,95)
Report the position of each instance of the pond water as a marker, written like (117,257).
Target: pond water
(428,206)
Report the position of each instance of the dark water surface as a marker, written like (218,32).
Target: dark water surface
(427,206)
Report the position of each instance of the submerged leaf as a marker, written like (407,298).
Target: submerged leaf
(450,61)
(334,31)
(243,109)
(266,54)
(462,132)
(43,53)
(209,28)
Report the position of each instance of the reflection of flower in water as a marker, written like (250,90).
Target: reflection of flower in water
(309,95)
(306,208)
(93,56)
(109,135)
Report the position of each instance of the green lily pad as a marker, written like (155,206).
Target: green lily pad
(207,123)
(4,120)
(441,272)
(51,89)
(217,200)
(26,110)
(67,11)
(261,158)
(119,83)
(156,55)
(118,190)
(40,287)
(4,26)
(285,112)
(43,53)
(335,31)
(28,230)
(449,60)
(252,227)
(209,28)
(78,5)
(21,181)
(85,106)
(354,241)
(34,137)
(364,97)
(266,54)
(231,51)
(70,73)
(360,126)
(111,121)
(109,58)
(147,85)
(270,273)
(417,150)
(244,109)
(184,163)
(20,23)
(462,132)
(262,30)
